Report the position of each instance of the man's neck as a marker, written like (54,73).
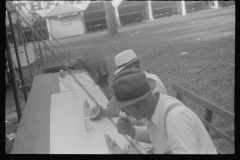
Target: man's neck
(151,103)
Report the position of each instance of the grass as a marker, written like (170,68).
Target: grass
(207,69)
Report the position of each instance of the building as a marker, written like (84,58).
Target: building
(65,21)
(132,11)
(95,16)
(91,16)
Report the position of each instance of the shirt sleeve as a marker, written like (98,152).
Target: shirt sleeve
(141,134)
(182,136)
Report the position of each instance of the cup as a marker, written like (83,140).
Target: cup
(62,74)
(88,123)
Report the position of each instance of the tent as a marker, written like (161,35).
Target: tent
(30,21)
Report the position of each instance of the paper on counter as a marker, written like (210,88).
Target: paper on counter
(96,93)
(68,134)
(69,83)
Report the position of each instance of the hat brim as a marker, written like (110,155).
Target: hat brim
(115,104)
(119,69)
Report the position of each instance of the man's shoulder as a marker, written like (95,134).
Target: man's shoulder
(180,111)
(151,75)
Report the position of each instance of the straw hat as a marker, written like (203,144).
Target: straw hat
(124,58)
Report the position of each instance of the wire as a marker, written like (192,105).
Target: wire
(52,44)
(48,32)
(42,35)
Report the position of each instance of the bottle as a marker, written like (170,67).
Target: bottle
(62,74)
(88,123)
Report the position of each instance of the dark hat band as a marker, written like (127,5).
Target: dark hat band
(122,65)
(138,92)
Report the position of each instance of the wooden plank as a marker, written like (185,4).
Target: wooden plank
(180,98)
(216,136)
(130,13)
(33,134)
(217,131)
(74,72)
(98,10)
(208,117)
(94,19)
(163,7)
(219,111)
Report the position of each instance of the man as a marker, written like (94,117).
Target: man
(128,59)
(171,126)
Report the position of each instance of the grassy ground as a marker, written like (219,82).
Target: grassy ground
(207,69)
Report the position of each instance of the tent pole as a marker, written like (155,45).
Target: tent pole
(13,79)
(45,50)
(34,41)
(40,49)
(33,36)
(21,34)
(17,54)
(41,59)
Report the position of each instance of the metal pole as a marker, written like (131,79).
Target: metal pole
(40,54)
(13,78)
(45,50)
(21,34)
(34,40)
(40,50)
(17,54)
(34,44)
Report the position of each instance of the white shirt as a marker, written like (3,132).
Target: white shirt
(160,86)
(185,131)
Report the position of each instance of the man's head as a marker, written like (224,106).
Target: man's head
(137,110)
(130,88)
(125,60)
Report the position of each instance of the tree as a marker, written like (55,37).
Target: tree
(111,18)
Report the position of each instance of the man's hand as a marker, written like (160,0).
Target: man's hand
(112,112)
(125,127)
